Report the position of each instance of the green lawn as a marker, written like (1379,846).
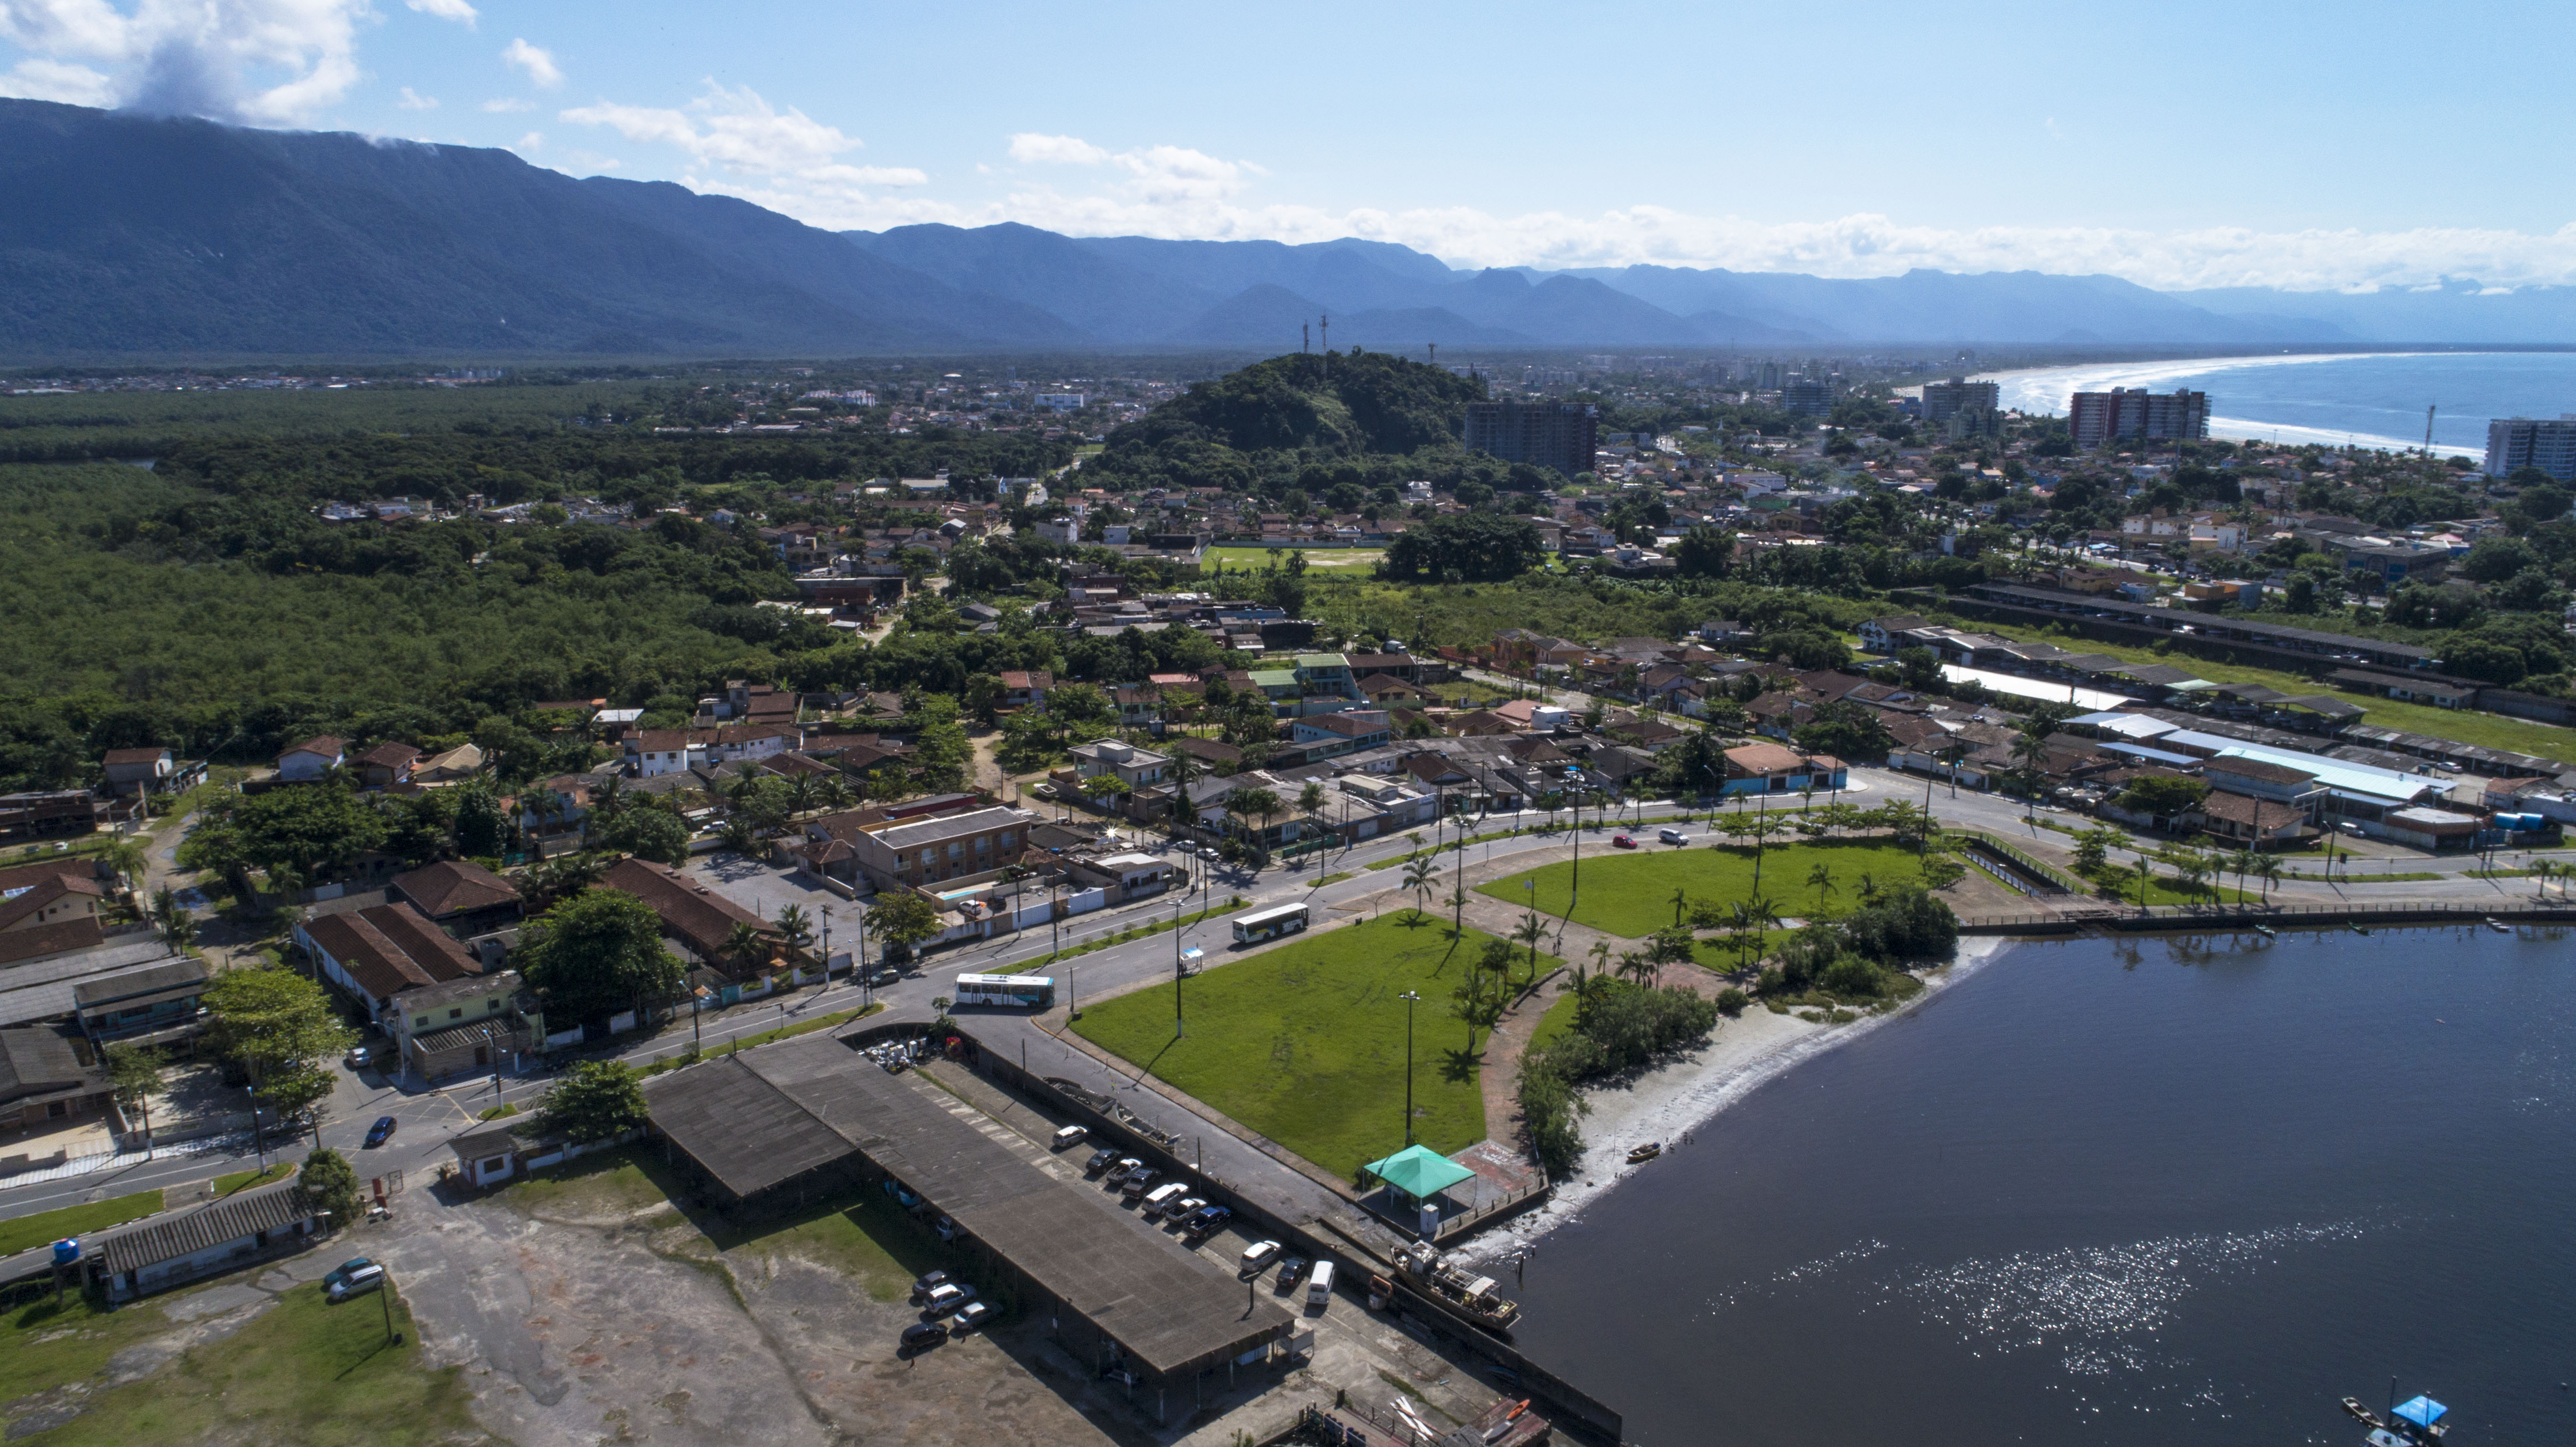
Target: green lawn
(24,1231)
(302,1372)
(1305,1043)
(872,1242)
(225,1185)
(1336,560)
(2487,730)
(1630,893)
(2113,882)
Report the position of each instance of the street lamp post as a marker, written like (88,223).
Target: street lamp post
(1410,999)
(258,1141)
(1180,1027)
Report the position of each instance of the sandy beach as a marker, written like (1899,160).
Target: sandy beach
(1682,1096)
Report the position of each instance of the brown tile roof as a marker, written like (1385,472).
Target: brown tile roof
(323,744)
(1765,758)
(389,755)
(18,946)
(133,756)
(454,887)
(699,916)
(390,948)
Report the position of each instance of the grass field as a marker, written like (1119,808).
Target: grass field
(2486,730)
(302,1372)
(225,1185)
(1631,893)
(1306,1043)
(1323,560)
(24,1231)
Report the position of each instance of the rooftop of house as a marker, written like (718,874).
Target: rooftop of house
(454,886)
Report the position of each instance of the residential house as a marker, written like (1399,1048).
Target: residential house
(654,752)
(1386,690)
(49,909)
(2253,822)
(379,952)
(1334,734)
(386,765)
(462,1025)
(1883,635)
(461,762)
(459,896)
(1026,689)
(46,1077)
(311,759)
(1772,769)
(132,772)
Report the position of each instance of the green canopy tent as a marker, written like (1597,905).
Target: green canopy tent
(1419,1172)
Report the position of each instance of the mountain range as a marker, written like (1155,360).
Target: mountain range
(127,235)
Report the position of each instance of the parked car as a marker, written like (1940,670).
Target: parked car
(1137,1182)
(946,1228)
(1319,1292)
(1622,841)
(1101,1160)
(975,1314)
(1258,1255)
(357,1283)
(1207,1219)
(1043,791)
(1127,1166)
(945,1298)
(345,1270)
(1671,836)
(1072,1135)
(1291,1271)
(1161,1197)
(358,1058)
(1210,855)
(929,1284)
(923,1334)
(884,975)
(1180,1211)
(381,1132)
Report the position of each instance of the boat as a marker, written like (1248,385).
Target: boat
(2362,1414)
(2358,929)
(2499,926)
(1477,1298)
(1645,1153)
(2266,931)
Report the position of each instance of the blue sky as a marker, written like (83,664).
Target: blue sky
(2179,145)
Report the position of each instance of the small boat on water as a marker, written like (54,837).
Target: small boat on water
(2266,931)
(2358,929)
(2362,1414)
(1645,1153)
(2499,926)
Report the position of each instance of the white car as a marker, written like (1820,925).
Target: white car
(1258,1255)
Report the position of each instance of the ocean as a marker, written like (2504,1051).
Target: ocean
(2116,1192)
(2374,400)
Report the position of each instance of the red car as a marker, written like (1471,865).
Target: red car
(1622,841)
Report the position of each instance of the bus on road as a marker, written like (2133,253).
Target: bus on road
(1027,992)
(1269,924)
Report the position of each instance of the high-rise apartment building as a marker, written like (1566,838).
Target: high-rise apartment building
(1558,435)
(1808,396)
(2549,444)
(2136,415)
(1940,399)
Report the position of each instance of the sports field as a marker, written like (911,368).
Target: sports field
(1325,560)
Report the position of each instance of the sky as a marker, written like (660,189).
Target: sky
(2354,146)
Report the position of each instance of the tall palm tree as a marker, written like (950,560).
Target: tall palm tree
(1419,875)
(794,927)
(1867,889)
(1583,986)
(2029,747)
(1821,880)
(129,859)
(1310,802)
(2542,870)
(609,798)
(2268,869)
(1637,966)
(746,946)
(1532,929)
(834,791)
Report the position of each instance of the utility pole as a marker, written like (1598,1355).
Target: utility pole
(1180,1027)
(1410,998)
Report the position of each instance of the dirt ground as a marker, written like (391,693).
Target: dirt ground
(598,1311)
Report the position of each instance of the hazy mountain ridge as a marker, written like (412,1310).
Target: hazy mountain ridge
(131,234)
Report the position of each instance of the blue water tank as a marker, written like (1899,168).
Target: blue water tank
(67,1251)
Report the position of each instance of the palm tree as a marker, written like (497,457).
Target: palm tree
(1458,898)
(2029,747)
(1419,875)
(1747,920)
(1821,880)
(1867,889)
(2146,872)
(1532,929)
(134,1072)
(2542,870)
(1310,802)
(608,798)
(794,927)
(1678,901)
(176,928)
(833,791)
(2267,869)
(129,859)
(747,945)
(1637,966)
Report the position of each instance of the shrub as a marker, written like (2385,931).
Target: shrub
(1731,1002)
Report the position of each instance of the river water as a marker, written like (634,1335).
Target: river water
(2114,1191)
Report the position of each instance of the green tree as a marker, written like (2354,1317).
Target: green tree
(648,831)
(598,953)
(901,921)
(134,1074)
(280,1029)
(482,829)
(596,1100)
(328,1178)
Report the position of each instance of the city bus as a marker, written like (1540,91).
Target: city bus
(1270,924)
(1027,992)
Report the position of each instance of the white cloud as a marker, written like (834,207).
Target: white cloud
(506,104)
(263,62)
(538,63)
(413,100)
(738,144)
(1033,149)
(456,10)
(56,80)
(533,140)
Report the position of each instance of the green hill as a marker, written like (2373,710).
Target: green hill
(1293,414)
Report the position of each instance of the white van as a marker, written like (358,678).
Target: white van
(1672,836)
(1319,1287)
(1161,1196)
